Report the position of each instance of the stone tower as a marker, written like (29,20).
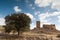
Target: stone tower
(37,24)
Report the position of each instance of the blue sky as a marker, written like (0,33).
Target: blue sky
(46,11)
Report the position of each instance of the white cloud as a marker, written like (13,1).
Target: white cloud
(56,4)
(2,21)
(30,15)
(58,18)
(32,26)
(47,21)
(43,3)
(43,15)
(46,15)
(58,27)
(55,14)
(17,9)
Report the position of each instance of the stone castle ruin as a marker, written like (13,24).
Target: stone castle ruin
(48,29)
(47,32)
(46,26)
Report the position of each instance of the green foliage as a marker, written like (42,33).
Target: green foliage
(19,22)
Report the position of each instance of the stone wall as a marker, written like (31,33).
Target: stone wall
(49,27)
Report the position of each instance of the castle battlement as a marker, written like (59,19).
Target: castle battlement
(49,27)
(46,26)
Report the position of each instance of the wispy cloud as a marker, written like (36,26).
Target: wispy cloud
(55,4)
(30,15)
(17,9)
(58,18)
(43,15)
(31,6)
(47,14)
(32,26)
(58,27)
(42,3)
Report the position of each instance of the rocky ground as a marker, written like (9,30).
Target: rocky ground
(28,36)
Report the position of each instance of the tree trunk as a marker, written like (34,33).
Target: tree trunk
(18,33)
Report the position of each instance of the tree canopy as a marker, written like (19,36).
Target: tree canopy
(19,22)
